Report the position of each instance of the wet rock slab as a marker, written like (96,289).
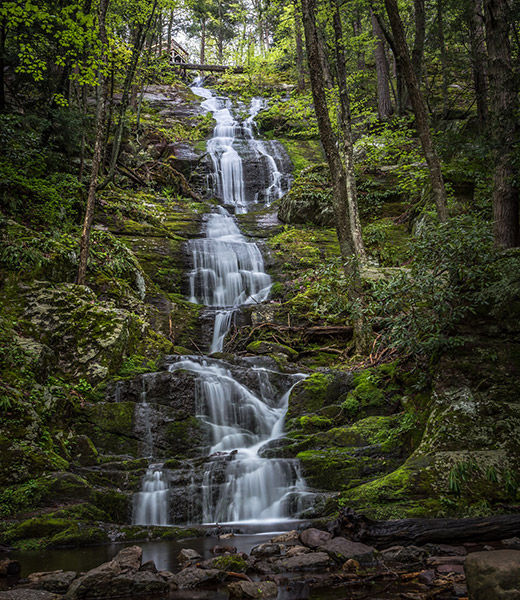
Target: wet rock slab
(493,575)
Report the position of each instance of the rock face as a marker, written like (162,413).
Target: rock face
(119,577)
(310,199)
(493,575)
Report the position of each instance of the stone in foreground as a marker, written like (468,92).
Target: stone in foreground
(493,575)
(252,590)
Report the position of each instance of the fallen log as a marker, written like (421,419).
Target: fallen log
(417,532)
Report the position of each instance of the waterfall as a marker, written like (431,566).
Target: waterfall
(151,504)
(228,271)
(240,485)
(240,418)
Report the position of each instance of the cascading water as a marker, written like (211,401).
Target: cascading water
(151,504)
(228,271)
(239,484)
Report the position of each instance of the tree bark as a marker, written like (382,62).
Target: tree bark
(203,40)
(504,128)
(477,43)
(299,47)
(337,169)
(346,129)
(419,109)
(96,159)
(442,49)
(3,32)
(420,34)
(384,104)
(383,534)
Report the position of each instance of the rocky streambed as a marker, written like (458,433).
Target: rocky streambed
(313,563)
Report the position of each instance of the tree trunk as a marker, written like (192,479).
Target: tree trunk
(420,34)
(504,128)
(383,534)
(140,37)
(96,159)
(202,40)
(346,129)
(358,30)
(336,167)
(324,60)
(442,48)
(419,109)
(478,59)
(384,104)
(299,47)
(169,34)
(3,33)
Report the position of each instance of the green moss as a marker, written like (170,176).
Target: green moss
(110,426)
(314,423)
(303,153)
(233,563)
(183,437)
(340,468)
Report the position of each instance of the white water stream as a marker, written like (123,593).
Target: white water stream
(228,272)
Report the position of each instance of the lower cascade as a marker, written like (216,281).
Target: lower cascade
(242,418)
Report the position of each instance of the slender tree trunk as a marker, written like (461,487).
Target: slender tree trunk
(3,33)
(324,60)
(96,159)
(358,30)
(202,40)
(419,109)
(384,104)
(336,167)
(140,38)
(442,48)
(504,127)
(346,129)
(169,34)
(299,47)
(420,34)
(477,42)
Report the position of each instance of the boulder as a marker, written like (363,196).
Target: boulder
(253,589)
(313,538)
(148,567)
(119,577)
(341,549)
(51,581)
(305,562)
(193,577)
(9,568)
(493,575)
(19,594)
(291,537)
(187,555)
(266,550)
(296,550)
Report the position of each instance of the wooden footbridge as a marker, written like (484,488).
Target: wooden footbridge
(179,58)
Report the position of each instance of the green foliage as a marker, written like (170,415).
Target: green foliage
(135,365)
(420,306)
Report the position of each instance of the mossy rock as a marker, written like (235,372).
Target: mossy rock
(317,391)
(263,347)
(49,531)
(341,468)
(309,199)
(234,563)
(111,426)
